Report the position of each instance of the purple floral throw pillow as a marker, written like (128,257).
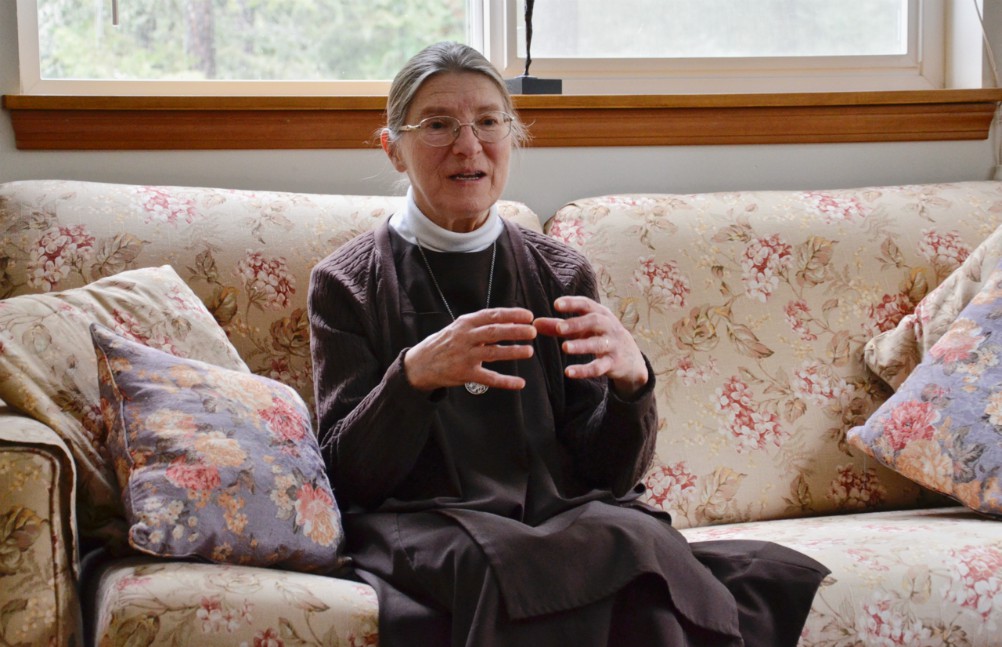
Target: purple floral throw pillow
(214,463)
(943,426)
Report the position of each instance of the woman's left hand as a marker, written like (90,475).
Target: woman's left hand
(597,331)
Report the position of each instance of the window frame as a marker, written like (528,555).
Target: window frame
(921,68)
(298,117)
(32,82)
(492,28)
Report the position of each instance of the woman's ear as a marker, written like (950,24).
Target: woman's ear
(390,148)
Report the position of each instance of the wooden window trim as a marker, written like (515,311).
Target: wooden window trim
(204,123)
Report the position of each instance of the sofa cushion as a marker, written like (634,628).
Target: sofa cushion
(145,602)
(50,372)
(754,308)
(919,578)
(214,463)
(942,426)
(894,353)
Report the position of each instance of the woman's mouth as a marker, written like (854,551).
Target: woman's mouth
(468,177)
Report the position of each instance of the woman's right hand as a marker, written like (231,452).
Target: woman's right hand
(456,354)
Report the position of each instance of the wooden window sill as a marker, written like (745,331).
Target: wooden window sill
(203,123)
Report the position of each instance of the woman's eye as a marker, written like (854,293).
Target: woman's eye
(488,121)
(436,124)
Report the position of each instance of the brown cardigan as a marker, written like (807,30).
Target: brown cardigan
(358,342)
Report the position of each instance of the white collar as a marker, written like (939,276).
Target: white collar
(416,228)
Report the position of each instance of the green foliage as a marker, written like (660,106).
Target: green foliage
(240,39)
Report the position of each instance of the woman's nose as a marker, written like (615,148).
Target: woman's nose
(466,141)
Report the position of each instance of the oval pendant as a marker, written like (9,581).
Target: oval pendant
(476,388)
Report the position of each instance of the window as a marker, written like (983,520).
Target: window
(697,46)
(229,46)
(291,47)
(715,29)
(722,96)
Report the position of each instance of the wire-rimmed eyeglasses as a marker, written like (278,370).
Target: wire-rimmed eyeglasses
(438,131)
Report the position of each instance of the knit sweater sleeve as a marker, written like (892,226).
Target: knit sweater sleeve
(372,424)
(612,439)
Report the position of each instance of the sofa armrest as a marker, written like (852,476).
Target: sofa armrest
(38,544)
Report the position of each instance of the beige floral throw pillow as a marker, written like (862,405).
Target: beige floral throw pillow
(49,370)
(893,354)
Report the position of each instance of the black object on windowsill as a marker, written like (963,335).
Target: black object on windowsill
(532,85)
(525,83)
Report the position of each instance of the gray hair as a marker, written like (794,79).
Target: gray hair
(438,59)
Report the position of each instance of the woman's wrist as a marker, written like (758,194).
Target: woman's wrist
(412,371)
(626,388)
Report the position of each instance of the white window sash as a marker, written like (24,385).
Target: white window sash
(941,26)
(923,67)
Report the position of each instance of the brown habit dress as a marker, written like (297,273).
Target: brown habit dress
(509,518)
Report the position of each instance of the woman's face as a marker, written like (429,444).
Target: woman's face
(456,185)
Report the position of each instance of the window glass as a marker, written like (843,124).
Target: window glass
(331,47)
(181,40)
(716,28)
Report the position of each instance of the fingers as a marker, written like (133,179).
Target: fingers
(577,304)
(498,316)
(596,368)
(598,345)
(500,352)
(582,326)
(593,329)
(592,318)
(589,334)
(497,380)
(499,333)
(496,325)
(456,354)
(547,326)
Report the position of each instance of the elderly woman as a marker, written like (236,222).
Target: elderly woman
(485,420)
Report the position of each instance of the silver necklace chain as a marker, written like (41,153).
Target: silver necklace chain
(473,387)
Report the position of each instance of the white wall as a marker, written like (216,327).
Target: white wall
(543,178)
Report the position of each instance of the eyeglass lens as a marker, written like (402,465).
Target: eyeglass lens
(444,130)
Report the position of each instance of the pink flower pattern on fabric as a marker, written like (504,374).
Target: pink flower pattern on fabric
(667,484)
(165,206)
(192,476)
(59,251)
(571,232)
(216,618)
(268,282)
(883,621)
(692,373)
(910,420)
(798,315)
(976,580)
(665,283)
(891,309)
(750,427)
(821,385)
(284,421)
(856,490)
(945,251)
(314,514)
(836,207)
(959,343)
(764,261)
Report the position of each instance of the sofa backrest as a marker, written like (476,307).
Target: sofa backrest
(754,308)
(246,254)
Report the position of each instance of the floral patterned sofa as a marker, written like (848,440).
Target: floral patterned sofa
(779,324)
